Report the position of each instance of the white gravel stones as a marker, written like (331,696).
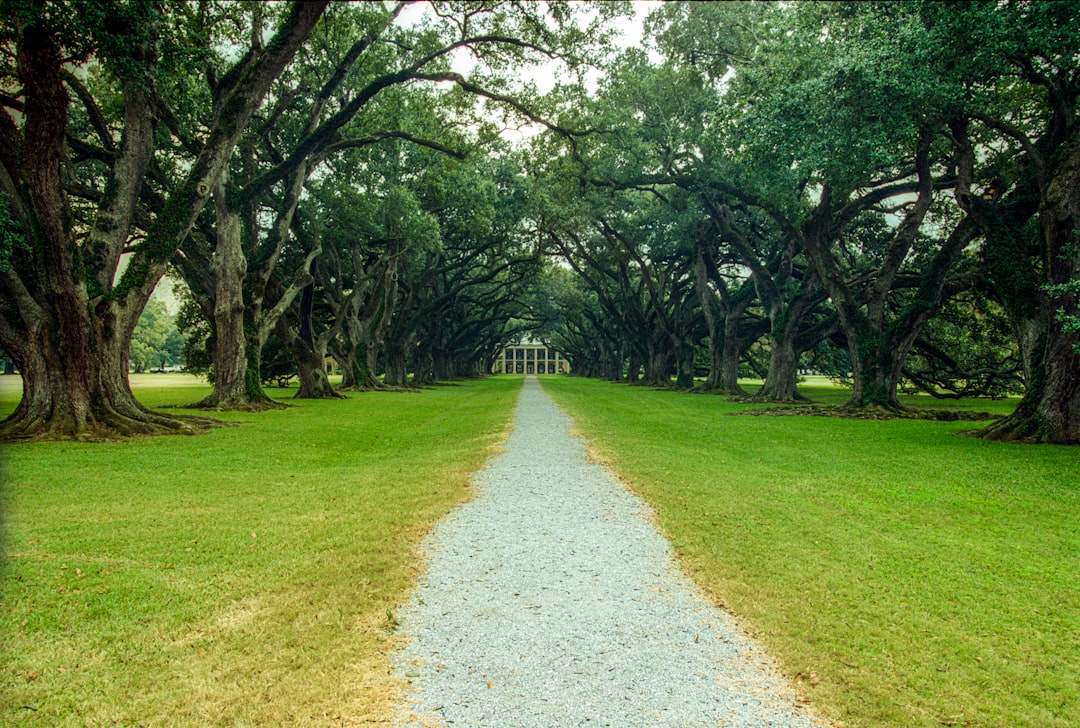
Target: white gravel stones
(551,600)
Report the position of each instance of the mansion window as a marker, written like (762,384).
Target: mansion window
(530,358)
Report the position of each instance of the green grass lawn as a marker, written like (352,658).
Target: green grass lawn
(242,577)
(903,574)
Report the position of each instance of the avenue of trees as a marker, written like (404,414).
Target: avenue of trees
(882,191)
(888,193)
(273,155)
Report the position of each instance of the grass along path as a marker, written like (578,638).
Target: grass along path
(242,577)
(905,575)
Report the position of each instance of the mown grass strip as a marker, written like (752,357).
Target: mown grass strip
(904,574)
(243,577)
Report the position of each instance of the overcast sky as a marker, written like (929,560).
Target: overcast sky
(544,75)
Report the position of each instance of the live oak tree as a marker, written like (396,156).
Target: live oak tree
(909,151)
(369,250)
(130,130)
(998,83)
(916,164)
(659,121)
(836,164)
(1020,79)
(363,61)
(425,276)
(576,325)
(624,241)
(642,280)
(83,104)
(476,291)
(352,283)
(789,292)
(738,116)
(352,59)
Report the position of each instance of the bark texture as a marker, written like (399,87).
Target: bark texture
(66,317)
(1050,410)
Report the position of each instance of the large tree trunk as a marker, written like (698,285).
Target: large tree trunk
(307,349)
(396,369)
(372,328)
(730,352)
(863,315)
(723,318)
(41,367)
(66,315)
(441,368)
(71,391)
(372,350)
(71,349)
(684,365)
(1031,330)
(230,345)
(425,366)
(658,365)
(785,324)
(633,367)
(355,356)
(712,312)
(716,363)
(365,368)
(237,350)
(241,324)
(310,359)
(346,361)
(82,396)
(1050,410)
(871,365)
(781,382)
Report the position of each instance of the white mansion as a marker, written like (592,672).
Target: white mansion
(530,357)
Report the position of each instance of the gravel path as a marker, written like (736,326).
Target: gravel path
(551,600)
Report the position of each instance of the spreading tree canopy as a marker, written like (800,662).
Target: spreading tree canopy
(885,192)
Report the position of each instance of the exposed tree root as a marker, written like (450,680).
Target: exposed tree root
(718,390)
(364,388)
(384,388)
(869,413)
(769,398)
(215,403)
(1027,430)
(330,394)
(105,426)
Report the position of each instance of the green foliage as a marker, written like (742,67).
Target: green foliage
(1068,315)
(399,219)
(66,16)
(833,91)
(968,348)
(156,341)
(276,363)
(197,333)
(11,234)
(1006,253)
(829,360)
